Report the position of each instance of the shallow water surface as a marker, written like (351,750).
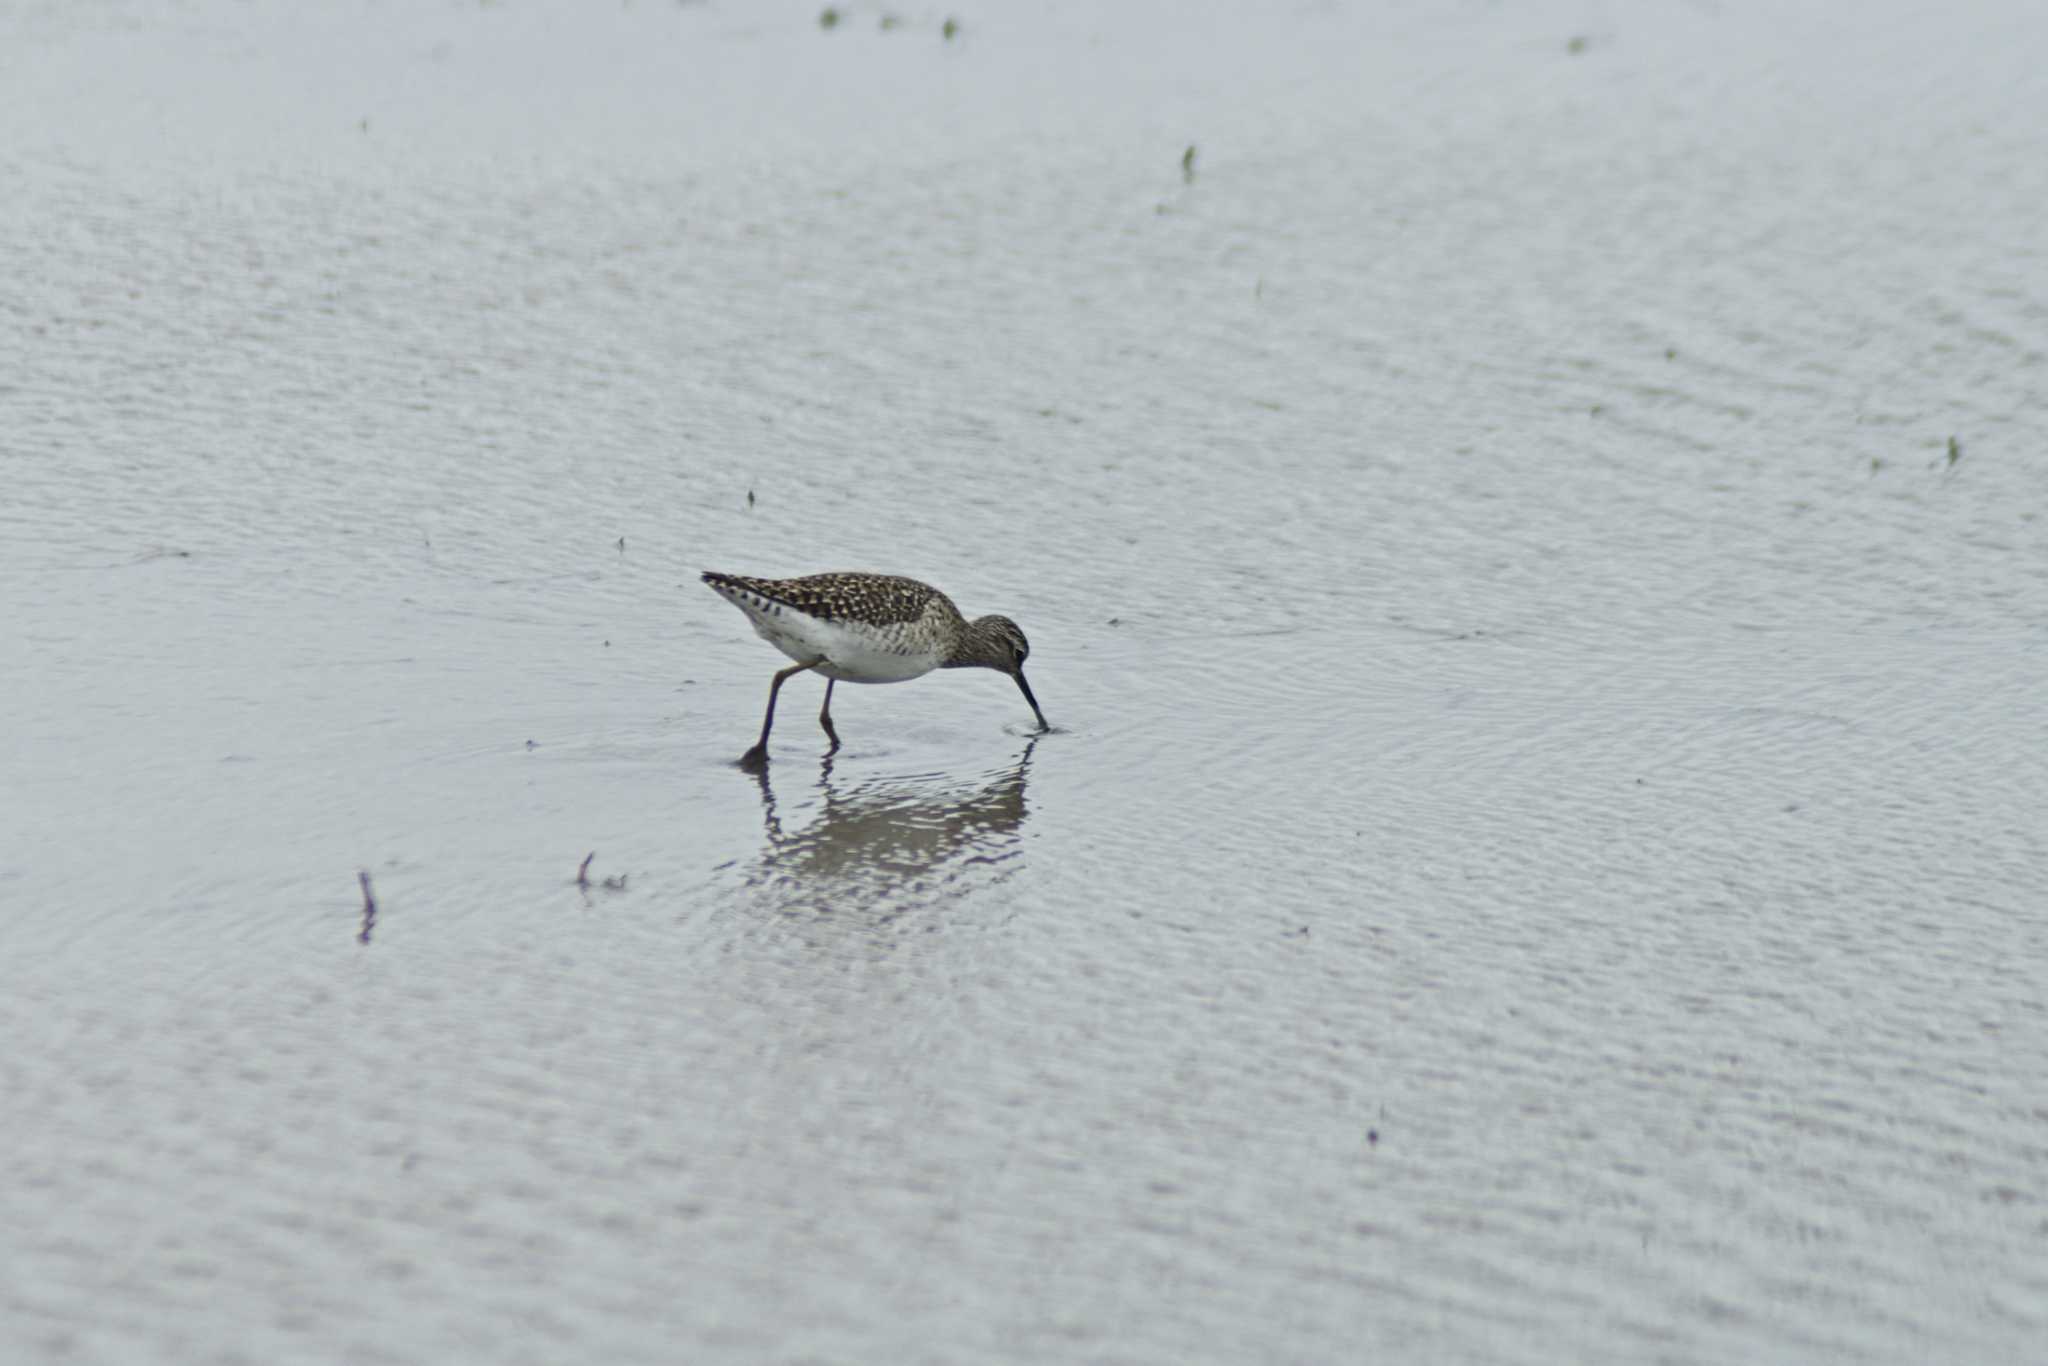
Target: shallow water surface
(1532,552)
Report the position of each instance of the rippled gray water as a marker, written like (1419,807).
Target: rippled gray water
(1533,552)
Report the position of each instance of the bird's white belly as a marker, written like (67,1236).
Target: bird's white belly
(852,654)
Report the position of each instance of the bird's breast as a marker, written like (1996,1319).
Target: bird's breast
(852,654)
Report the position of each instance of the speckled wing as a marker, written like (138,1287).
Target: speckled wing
(871,599)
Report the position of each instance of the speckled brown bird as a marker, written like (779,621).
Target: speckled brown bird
(868,628)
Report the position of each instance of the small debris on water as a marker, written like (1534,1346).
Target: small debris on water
(1187,165)
(829,19)
(1955,452)
(369,906)
(610,884)
(533,744)
(1372,1136)
(949,28)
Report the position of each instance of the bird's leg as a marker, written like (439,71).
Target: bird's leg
(825,715)
(757,757)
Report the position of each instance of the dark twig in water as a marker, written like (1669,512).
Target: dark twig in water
(610,884)
(1187,165)
(369,907)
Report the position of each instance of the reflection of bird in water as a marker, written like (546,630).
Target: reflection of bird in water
(888,844)
(868,628)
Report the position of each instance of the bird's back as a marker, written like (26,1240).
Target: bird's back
(869,599)
(866,628)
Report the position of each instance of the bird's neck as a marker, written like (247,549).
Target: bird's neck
(978,649)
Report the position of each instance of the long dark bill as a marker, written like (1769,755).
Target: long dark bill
(1043,724)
